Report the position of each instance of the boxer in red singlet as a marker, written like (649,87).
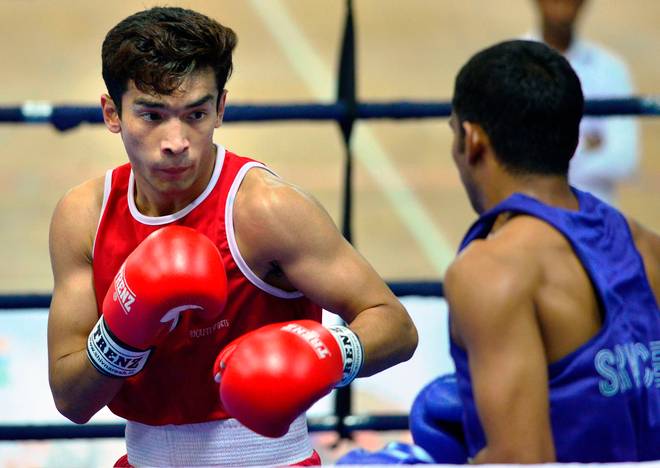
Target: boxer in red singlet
(164,261)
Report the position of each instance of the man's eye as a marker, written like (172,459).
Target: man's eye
(150,116)
(198,115)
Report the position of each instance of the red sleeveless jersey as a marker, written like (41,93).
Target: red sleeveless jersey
(176,385)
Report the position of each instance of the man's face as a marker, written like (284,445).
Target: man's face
(169,138)
(460,160)
(561,14)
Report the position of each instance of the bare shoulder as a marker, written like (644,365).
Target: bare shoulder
(510,253)
(490,268)
(268,204)
(648,245)
(263,193)
(76,216)
(499,274)
(88,195)
(644,238)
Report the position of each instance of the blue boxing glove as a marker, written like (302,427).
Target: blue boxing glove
(436,421)
(394,453)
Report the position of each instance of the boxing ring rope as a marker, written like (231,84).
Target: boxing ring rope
(16,432)
(68,117)
(345,111)
(399,288)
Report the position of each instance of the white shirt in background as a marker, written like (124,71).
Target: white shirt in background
(599,168)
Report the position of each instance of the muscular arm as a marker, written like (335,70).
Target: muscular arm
(277,223)
(78,389)
(493,317)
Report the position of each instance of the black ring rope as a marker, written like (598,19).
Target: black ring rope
(67,117)
(15,432)
(16,302)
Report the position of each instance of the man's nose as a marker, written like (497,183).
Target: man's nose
(175,140)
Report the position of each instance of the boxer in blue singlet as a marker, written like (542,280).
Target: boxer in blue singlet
(554,318)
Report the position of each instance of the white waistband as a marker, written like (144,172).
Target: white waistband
(225,443)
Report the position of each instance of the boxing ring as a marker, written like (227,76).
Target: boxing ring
(346,111)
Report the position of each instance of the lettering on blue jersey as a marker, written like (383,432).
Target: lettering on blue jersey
(655,359)
(627,366)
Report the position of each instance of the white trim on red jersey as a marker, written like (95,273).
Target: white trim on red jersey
(160,220)
(231,238)
(107,186)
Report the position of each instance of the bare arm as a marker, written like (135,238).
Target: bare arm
(78,389)
(648,245)
(494,319)
(280,224)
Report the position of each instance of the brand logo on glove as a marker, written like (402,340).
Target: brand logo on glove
(311,337)
(349,359)
(123,293)
(110,357)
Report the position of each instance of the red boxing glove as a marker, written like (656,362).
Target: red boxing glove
(173,270)
(270,376)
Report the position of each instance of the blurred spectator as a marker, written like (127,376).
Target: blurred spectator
(608,151)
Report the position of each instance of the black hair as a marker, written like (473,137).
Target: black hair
(528,100)
(159,47)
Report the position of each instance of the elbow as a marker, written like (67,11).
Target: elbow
(411,339)
(79,419)
(72,411)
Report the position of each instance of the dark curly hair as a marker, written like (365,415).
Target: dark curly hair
(158,48)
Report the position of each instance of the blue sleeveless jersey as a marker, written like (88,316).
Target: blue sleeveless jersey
(605,395)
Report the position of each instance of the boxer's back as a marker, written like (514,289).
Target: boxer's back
(597,317)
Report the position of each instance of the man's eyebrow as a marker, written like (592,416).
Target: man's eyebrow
(200,101)
(146,102)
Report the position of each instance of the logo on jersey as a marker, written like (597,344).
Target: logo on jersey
(208,331)
(311,337)
(627,366)
(123,293)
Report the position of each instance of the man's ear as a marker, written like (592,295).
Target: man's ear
(222,100)
(476,142)
(110,114)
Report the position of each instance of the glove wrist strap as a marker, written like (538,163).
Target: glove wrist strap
(110,356)
(351,351)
